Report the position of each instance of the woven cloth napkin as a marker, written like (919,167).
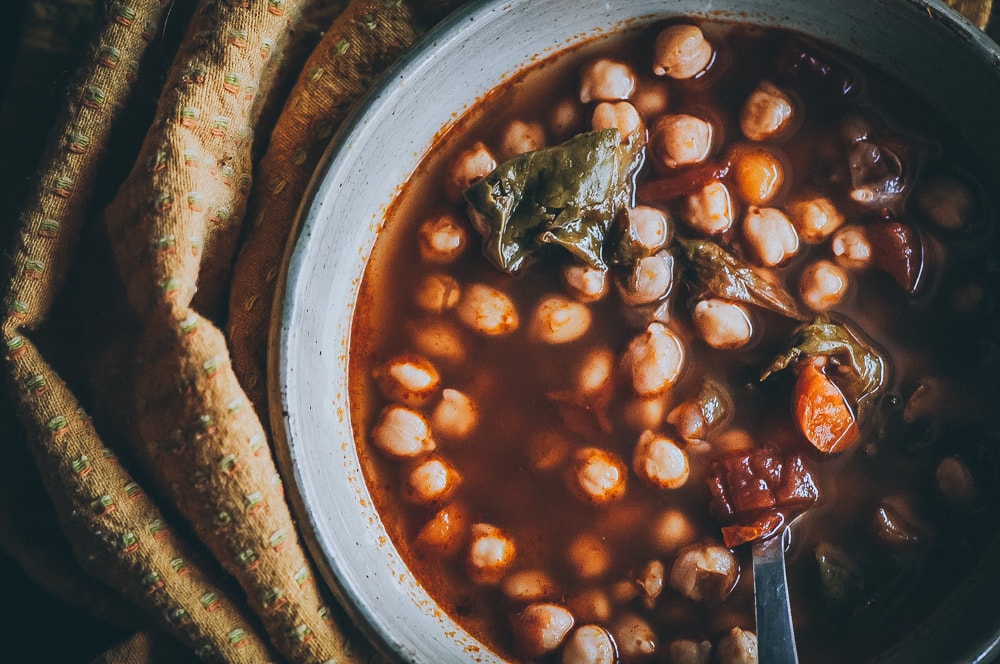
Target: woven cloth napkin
(137,478)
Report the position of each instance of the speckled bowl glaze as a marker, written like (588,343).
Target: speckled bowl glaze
(933,50)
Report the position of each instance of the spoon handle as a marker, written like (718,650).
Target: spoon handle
(775,637)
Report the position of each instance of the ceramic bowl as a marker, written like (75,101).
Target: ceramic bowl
(948,61)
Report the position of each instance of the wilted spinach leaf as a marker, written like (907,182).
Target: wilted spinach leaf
(566,195)
(626,248)
(710,270)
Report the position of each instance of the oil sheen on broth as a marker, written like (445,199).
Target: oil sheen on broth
(573,429)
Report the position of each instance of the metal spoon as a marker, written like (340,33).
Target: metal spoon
(775,636)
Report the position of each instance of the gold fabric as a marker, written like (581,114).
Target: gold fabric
(142,263)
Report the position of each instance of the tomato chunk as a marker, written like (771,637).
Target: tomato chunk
(761,528)
(757,492)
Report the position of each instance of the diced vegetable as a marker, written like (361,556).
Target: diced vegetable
(822,412)
(566,195)
(807,63)
(758,493)
(898,251)
(760,528)
(684,182)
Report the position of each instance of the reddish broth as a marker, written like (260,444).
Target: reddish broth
(935,337)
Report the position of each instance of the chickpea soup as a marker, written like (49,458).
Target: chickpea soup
(650,302)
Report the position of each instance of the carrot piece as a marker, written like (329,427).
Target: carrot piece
(822,412)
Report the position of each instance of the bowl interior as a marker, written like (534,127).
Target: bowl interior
(921,43)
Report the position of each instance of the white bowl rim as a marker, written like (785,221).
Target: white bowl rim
(335,161)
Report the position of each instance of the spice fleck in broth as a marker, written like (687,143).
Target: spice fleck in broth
(650,301)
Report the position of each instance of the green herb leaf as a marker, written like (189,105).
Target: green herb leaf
(626,247)
(566,195)
(710,270)
(866,368)
(839,577)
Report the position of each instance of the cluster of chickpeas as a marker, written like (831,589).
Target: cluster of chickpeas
(425,416)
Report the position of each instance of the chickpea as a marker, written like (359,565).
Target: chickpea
(681,51)
(851,247)
(437,293)
(455,416)
(589,556)
(688,651)
(409,379)
(528,585)
(623,592)
(947,202)
(649,281)
(565,119)
(671,530)
(431,481)
(758,174)
(650,582)
(598,476)
(401,432)
(822,285)
(654,359)
(815,219)
(692,421)
(585,283)
(738,647)
(589,644)
(606,80)
(734,440)
(704,572)
(722,324)
(441,239)
(548,449)
(487,310)
(649,227)
(520,137)
(954,480)
(710,211)
(621,116)
(645,412)
(635,638)
(770,235)
(689,421)
(651,98)
(541,628)
(558,320)
(491,553)
(595,373)
(446,530)
(469,167)
(660,462)
(439,339)
(591,605)
(679,140)
(766,113)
